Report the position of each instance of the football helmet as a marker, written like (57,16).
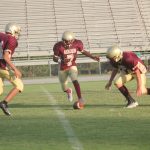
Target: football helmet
(14,29)
(68,37)
(114,53)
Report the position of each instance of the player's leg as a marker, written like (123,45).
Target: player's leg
(119,83)
(3,104)
(143,82)
(63,78)
(18,87)
(1,86)
(73,74)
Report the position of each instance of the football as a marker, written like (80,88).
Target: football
(78,105)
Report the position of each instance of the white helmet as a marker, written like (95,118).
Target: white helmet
(14,29)
(114,53)
(68,37)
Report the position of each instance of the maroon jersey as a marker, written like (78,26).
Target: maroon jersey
(70,53)
(129,63)
(7,43)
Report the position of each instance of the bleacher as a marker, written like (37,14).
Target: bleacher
(98,23)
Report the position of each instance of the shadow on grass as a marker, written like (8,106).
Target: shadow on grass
(65,107)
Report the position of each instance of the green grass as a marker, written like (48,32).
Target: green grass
(103,125)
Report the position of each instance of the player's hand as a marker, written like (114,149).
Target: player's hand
(17,73)
(108,86)
(96,58)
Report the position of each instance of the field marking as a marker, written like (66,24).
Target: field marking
(72,138)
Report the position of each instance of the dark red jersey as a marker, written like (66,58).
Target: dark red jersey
(7,43)
(70,53)
(129,63)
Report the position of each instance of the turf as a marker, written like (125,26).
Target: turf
(42,118)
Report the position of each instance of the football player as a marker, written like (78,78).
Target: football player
(8,43)
(65,53)
(130,67)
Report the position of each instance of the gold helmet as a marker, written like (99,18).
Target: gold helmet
(14,29)
(114,53)
(68,37)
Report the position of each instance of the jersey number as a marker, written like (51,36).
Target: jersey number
(70,57)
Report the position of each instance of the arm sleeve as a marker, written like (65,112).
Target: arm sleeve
(11,45)
(80,46)
(138,65)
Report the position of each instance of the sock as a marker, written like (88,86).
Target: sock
(124,91)
(77,88)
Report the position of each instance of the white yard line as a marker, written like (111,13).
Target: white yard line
(72,138)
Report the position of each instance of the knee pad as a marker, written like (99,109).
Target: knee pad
(75,82)
(18,84)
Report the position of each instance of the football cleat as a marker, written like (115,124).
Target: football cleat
(132,105)
(4,108)
(78,105)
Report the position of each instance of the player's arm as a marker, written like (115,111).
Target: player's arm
(88,54)
(6,57)
(139,68)
(139,82)
(113,74)
(56,57)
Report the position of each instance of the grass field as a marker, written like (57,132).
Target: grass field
(44,120)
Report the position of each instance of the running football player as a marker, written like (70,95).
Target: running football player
(65,53)
(130,67)
(8,43)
